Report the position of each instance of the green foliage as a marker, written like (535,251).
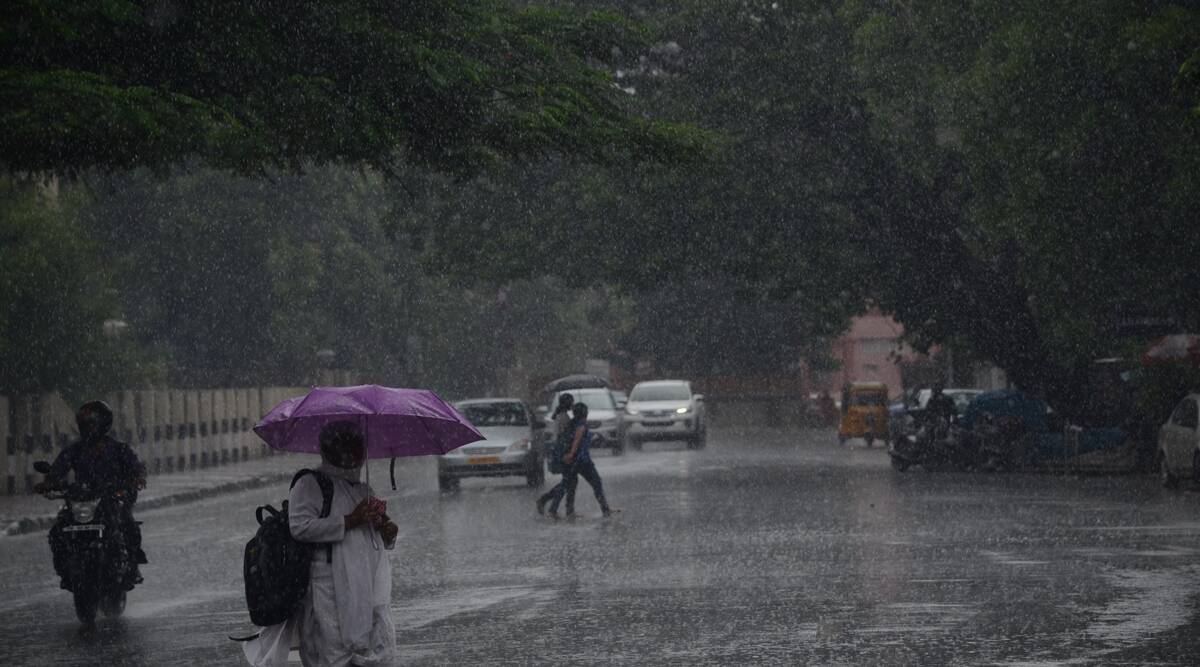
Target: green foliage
(708,327)
(242,281)
(283,84)
(758,214)
(1017,178)
(56,293)
(1069,172)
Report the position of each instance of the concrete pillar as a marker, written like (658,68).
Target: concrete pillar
(220,429)
(147,420)
(164,429)
(230,427)
(253,414)
(191,434)
(203,426)
(241,430)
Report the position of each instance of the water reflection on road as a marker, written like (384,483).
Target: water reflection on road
(765,547)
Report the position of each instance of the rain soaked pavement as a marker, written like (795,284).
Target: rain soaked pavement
(766,547)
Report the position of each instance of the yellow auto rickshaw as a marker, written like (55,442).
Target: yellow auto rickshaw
(864,412)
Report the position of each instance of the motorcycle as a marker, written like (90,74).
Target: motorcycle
(90,548)
(934,444)
(1004,443)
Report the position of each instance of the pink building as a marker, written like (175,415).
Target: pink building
(869,352)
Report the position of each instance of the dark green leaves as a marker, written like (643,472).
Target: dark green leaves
(248,86)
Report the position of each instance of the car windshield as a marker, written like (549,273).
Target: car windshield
(660,392)
(595,399)
(494,414)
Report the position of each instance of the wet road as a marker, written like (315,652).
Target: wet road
(765,548)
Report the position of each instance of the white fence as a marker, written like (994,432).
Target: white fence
(171,430)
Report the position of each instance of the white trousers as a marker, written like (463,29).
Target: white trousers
(318,633)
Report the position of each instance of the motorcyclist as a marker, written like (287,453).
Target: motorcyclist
(939,409)
(101,462)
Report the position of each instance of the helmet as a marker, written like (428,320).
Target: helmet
(94,419)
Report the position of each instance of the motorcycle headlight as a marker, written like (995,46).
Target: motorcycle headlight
(84,511)
(521,445)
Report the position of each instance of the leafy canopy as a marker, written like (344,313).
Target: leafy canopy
(250,86)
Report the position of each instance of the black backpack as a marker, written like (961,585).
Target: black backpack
(558,447)
(276,565)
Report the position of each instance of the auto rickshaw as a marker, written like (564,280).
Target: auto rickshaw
(864,412)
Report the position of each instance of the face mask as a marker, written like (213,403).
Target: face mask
(352,475)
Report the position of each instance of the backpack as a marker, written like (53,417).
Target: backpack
(276,565)
(558,447)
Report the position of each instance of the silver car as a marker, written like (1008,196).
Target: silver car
(665,410)
(509,447)
(604,419)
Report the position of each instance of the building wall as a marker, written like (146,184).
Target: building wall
(869,352)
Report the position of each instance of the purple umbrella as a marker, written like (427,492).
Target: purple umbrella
(394,422)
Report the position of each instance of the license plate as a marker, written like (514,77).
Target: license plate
(83,529)
(656,423)
(483,460)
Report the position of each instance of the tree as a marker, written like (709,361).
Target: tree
(759,213)
(59,312)
(283,84)
(242,281)
(1053,171)
(1016,178)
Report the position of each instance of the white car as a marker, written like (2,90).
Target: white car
(1179,443)
(665,410)
(509,447)
(961,397)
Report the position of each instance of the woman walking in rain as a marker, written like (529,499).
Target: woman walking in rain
(562,426)
(577,462)
(345,618)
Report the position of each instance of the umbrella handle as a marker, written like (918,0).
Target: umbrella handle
(393,473)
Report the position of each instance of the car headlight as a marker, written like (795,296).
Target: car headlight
(682,411)
(521,445)
(631,411)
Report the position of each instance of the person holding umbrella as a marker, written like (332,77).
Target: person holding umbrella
(347,613)
(345,616)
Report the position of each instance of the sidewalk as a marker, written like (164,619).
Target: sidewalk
(33,513)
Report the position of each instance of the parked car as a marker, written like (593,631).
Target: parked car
(604,419)
(902,416)
(961,398)
(510,448)
(1179,443)
(1031,435)
(665,410)
(620,398)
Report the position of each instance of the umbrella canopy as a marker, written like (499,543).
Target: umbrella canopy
(581,381)
(394,422)
(1178,347)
